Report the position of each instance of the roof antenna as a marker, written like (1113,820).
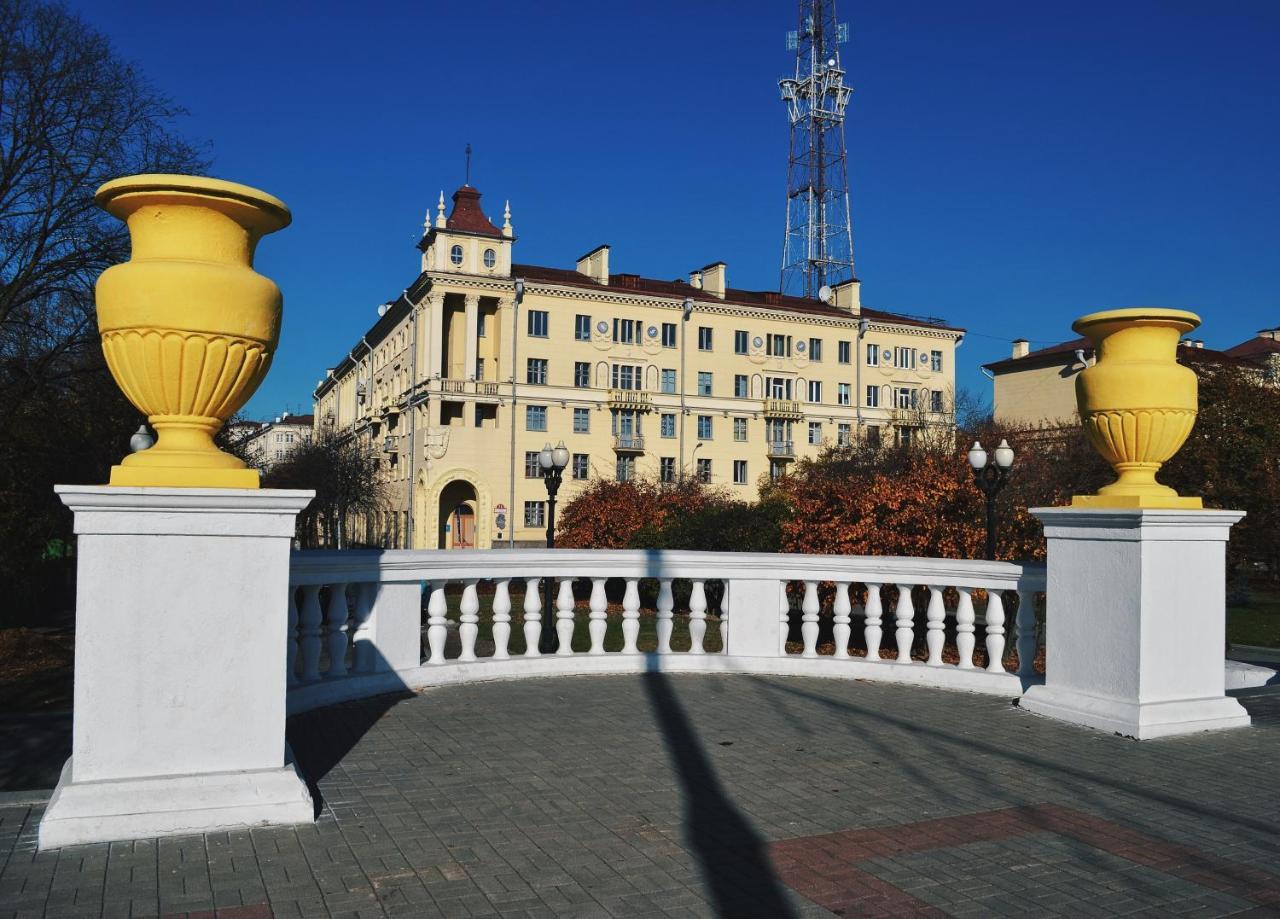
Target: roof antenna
(468,182)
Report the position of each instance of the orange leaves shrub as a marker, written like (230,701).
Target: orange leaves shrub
(611,515)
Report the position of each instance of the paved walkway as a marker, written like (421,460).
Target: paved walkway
(711,796)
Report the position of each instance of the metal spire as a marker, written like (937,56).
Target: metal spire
(468,181)
(818,247)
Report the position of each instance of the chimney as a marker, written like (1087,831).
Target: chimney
(713,279)
(1021,348)
(595,264)
(847,295)
(1199,342)
(695,279)
(1273,334)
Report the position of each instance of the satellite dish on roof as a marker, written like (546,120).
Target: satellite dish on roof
(382,309)
(824,293)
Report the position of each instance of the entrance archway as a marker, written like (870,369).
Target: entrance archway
(458,510)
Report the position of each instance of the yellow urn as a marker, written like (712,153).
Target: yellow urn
(188,327)
(1137,403)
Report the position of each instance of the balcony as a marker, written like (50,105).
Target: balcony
(628,443)
(782,449)
(634,399)
(783,408)
(479,389)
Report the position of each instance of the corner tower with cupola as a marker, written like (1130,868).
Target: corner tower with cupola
(466,241)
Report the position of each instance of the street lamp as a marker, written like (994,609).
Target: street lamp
(552,462)
(990,479)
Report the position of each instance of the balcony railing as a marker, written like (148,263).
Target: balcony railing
(628,443)
(470,388)
(630,398)
(356,620)
(782,449)
(782,408)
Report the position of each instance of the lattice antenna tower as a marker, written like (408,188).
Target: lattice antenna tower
(817,252)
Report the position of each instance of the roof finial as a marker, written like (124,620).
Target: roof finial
(506,219)
(468,181)
(440,221)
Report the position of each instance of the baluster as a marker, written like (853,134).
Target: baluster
(809,623)
(532,617)
(666,602)
(784,618)
(936,615)
(469,618)
(310,617)
(437,623)
(697,618)
(598,620)
(291,645)
(841,611)
(724,617)
(871,631)
(564,618)
(905,616)
(1026,623)
(501,619)
(631,617)
(964,629)
(336,621)
(995,632)
(362,656)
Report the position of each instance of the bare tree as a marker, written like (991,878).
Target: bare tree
(346,473)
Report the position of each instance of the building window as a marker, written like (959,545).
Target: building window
(778,387)
(535,417)
(580,461)
(873,436)
(668,335)
(667,425)
(873,397)
(815,391)
(739,429)
(536,372)
(935,401)
(531,468)
(668,380)
(581,374)
(844,434)
(704,338)
(667,469)
(739,472)
(482,325)
(455,255)
(778,345)
(626,468)
(815,349)
(935,361)
(581,328)
(704,427)
(904,358)
(626,376)
(704,383)
(538,323)
(740,342)
(535,514)
(902,436)
(626,331)
(740,386)
(582,421)
(843,393)
(904,397)
(776,470)
(704,470)
(490,258)
(815,432)
(873,355)
(842,351)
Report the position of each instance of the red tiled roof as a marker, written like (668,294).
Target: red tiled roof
(467,215)
(1255,347)
(766,299)
(1050,355)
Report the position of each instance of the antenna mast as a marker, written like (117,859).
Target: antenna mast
(817,250)
(468,180)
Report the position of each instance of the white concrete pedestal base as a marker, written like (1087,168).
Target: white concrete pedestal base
(1136,621)
(172,805)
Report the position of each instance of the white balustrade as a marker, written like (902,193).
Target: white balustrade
(872,632)
(697,617)
(1026,637)
(291,645)
(964,629)
(666,623)
(936,616)
(840,610)
(904,622)
(468,627)
(564,618)
(631,617)
(995,632)
(501,619)
(532,617)
(598,617)
(437,623)
(336,640)
(309,619)
(362,644)
(809,609)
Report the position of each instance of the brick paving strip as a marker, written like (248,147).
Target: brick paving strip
(825,869)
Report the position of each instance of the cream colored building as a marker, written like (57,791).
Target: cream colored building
(481,361)
(267,442)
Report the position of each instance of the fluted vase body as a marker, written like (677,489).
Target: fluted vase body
(1137,403)
(188,327)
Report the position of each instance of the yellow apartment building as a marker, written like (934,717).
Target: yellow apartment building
(481,362)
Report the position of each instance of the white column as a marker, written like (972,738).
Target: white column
(1136,621)
(472,337)
(181,642)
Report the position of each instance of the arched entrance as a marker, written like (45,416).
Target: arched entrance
(458,509)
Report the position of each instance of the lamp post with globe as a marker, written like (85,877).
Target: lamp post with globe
(551,463)
(990,479)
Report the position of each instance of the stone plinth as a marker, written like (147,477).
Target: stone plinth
(181,621)
(1136,621)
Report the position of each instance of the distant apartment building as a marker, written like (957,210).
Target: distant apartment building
(482,361)
(267,442)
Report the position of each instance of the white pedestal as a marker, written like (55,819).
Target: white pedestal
(1136,621)
(181,620)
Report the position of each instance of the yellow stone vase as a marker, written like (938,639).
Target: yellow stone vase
(188,327)
(1137,403)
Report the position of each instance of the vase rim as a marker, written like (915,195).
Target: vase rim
(194,185)
(1185,320)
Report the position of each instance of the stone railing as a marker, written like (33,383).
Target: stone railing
(357,619)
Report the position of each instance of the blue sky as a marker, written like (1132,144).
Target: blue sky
(1012,165)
